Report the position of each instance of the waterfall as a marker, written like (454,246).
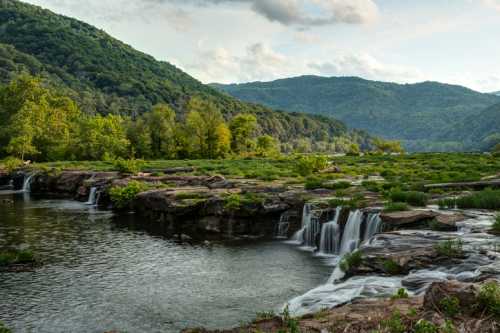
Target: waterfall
(351,236)
(27,183)
(310,227)
(92,197)
(330,235)
(373,223)
(283,225)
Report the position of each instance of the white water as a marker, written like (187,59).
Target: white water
(310,227)
(27,183)
(92,197)
(373,223)
(330,235)
(351,235)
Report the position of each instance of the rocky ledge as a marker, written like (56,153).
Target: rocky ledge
(448,306)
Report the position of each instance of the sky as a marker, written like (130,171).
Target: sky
(235,41)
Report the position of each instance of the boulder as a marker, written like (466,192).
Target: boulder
(450,219)
(407,217)
(465,293)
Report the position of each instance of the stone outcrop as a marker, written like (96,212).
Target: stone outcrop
(396,219)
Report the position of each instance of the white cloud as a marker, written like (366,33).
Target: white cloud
(493,4)
(366,66)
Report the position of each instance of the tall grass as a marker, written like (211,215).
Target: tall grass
(485,199)
(413,198)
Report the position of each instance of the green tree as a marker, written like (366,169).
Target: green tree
(161,124)
(496,150)
(267,146)
(139,135)
(387,146)
(243,127)
(202,124)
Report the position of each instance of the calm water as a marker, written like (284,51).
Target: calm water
(100,275)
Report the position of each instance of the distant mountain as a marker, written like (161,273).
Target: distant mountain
(107,76)
(423,115)
(497,93)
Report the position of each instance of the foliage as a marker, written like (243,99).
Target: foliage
(402,293)
(450,306)
(418,114)
(496,150)
(391,267)
(485,199)
(4,329)
(291,325)
(424,326)
(351,260)
(131,166)
(122,196)
(450,248)
(496,225)
(232,202)
(10,257)
(448,327)
(394,324)
(396,207)
(243,127)
(413,198)
(267,146)
(308,164)
(264,315)
(489,298)
(386,146)
(11,163)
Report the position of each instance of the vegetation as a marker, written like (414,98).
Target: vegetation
(4,329)
(122,196)
(105,76)
(489,298)
(396,207)
(413,198)
(450,306)
(402,293)
(391,267)
(426,116)
(485,199)
(450,248)
(11,257)
(351,260)
(496,225)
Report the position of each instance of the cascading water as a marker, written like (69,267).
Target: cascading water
(310,227)
(373,223)
(330,235)
(351,235)
(27,183)
(92,197)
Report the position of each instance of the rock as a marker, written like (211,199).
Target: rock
(450,219)
(466,293)
(218,182)
(185,238)
(407,217)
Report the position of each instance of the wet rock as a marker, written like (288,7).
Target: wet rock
(465,293)
(450,219)
(396,219)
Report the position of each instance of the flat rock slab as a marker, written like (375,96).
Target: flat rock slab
(451,219)
(407,217)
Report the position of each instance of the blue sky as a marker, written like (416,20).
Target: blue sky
(453,41)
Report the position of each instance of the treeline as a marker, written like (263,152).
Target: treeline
(38,123)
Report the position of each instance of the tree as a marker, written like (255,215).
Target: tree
(496,150)
(202,124)
(267,146)
(243,128)
(161,124)
(139,135)
(223,140)
(387,147)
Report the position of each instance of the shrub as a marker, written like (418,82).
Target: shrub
(12,163)
(265,315)
(450,248)
(290,324)
(232,202)
(306,165)
(423,326)
(413,198)
(132,166)
(371,186)
(313,183)
(496,225)
(450,306)
(342,185)
(394,324)
(401,293)
(10,257)
(448,327)
(391,267)
(485,199)
(4,329)
(489,298)
(448,203)
(351,260)
(396,207)
(122,196)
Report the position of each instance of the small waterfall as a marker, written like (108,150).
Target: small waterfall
(283,225)
(330,235)
(27,183)
(92,197)
(372,225)
(352,229)
(310,227)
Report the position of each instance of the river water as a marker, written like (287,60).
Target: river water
(100,274)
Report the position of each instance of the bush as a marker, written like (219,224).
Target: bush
(394,324)
(450,248)
(496,225)
(342,185)
(313,183)
(391,267)
(396,207)
(450,306)
(413,198)
(351,260)
(11,257)
(4,329)
(423,326)
(485,199)
(122,196)
(489,298)
(232,202)
(132,166)
(265,315)
(306,165)
(402,293)
(11,163)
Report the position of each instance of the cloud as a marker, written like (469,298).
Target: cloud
(303,13)
(493,4)
(366,66)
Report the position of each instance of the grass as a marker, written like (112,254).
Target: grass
(402,293)
(485,199)
(489,298)
(392,207)
(351,260)
(496,225)
(413,198)
(391,267)
(450,306)
(450,248)
(11,257)
(122,196)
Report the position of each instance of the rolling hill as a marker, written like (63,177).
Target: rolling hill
(105,75)
(425,116)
